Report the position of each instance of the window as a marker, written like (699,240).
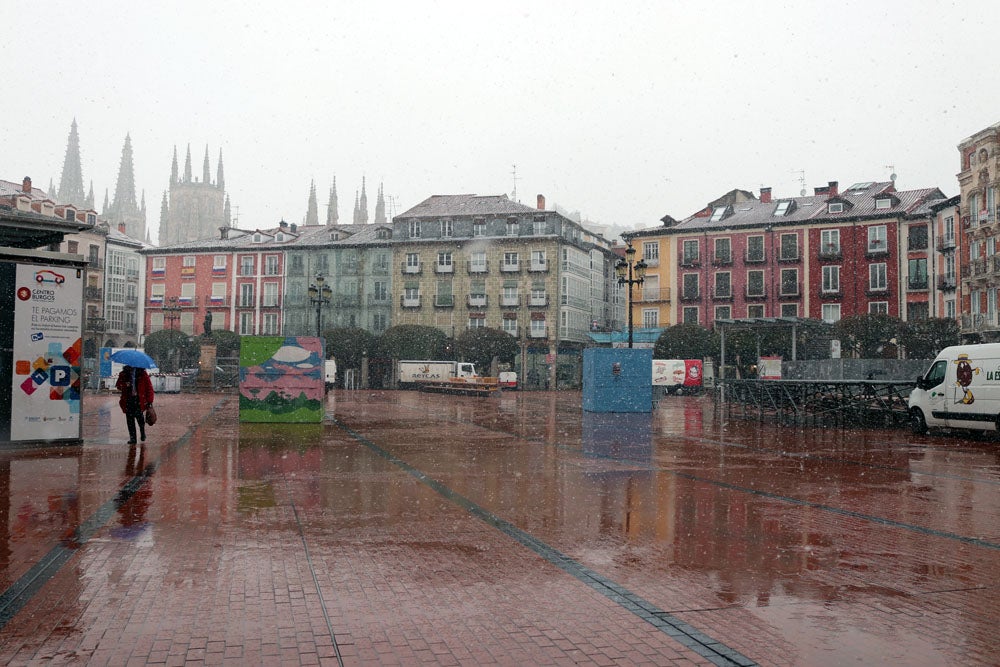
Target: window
(445,296)
(755,283)
(73,247)
(271,265)
(187,293)
(537,295)
(723,285)
(189,260)
(538,326)
(918,274)
(878,308)
(412,263)
(829,242)
(789,282)
(883,203)
(755,249)
(477,320)
(919,311)
(538,260)
(782,208)
(269,326)
(718,213)
(789,246)
(509,296)
(949,230)
(723,251)
(446,228)
(295,265)
(479,228)
(651,251)
(509,323)
(159,265)
(650,318)
(789,310)
(444,263)
(414,229)
(512,227)
(156,292)
(690,286)
(877,239)
(949,308)
(246,295)
(755,310)
(690,256)
(246,324)
(380,291)
(723,312)
(831,312)
(269,298)
(690,315)
(539,226)
(246,265)
(831,279)
(218,296)
(219,262)
(155,321)
(835,207)
(477,262)
(380,322)
(876,277)
(917,239)
(258,238)
(510,261)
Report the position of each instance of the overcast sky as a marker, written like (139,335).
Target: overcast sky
(621,111)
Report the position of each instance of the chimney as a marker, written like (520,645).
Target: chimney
(833,188)
(121,227)
(765,195)
(294,227)
(26,185)
(282,224)
(223,233)
(541,202)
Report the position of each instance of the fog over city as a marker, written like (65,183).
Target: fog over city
(623,112)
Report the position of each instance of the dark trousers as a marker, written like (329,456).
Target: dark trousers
(132,415)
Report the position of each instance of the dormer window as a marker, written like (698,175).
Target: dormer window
(883,203)
(258,238)
(835,207)
(718,213)
(279,237)
(383,234)
(782,208)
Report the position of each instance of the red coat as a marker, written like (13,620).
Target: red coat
(144,388)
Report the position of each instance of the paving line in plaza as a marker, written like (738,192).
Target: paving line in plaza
(690,637)
(24,589)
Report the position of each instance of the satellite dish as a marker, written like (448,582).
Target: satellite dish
(892,177)
(802,192)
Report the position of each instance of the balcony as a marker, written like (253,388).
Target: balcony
(508,300)
(916,284)
(538,267)
(478,267)
(411,269)
(444,301)
(218,301)
(95,264)
(270,302)
(831,252)
(444,268)
(789,256)
(129,329)
(722,259)
(96,324)
(131,301)
(754,257)
(788,289)
(477,301)
(93,293)
(347,301)
(690,261)
(831,294)
(723,294)
(980,322)
(946,283)
(510,267)
(879,292)
(409,301)
(755,293)
(380,269)
(876,249)
(538,301)
(690,295)
(650,294)
(946,244)
(537,333)
(378,299)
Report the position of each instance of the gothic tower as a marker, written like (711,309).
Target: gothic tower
(380,207)
(124,209)
(71,182)
(363,212)
(312,212)
(332,215)
(193,209)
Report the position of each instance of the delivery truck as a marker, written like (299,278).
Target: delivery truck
(413,374)
(960,390)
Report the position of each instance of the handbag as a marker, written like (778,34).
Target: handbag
(150,415)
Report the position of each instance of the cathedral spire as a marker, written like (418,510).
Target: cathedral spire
(164,217)
(71,182)
(187,166)
(124,201)
(90,196)
(363,216)
(332,215)
(220,182)
(357,209)
(206,174)
(312,212)
(173,168)
(380,207)
(107,206)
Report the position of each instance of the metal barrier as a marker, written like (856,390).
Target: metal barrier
(843,403)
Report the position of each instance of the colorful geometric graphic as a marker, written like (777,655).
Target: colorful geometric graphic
(59,369)
(281,379)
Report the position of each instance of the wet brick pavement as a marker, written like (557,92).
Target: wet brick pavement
(421,528)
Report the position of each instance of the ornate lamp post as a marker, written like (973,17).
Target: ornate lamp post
(319,295)
(630,273)
(171,312)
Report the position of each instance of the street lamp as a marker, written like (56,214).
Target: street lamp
(630,273)
(171,312)
(319,295)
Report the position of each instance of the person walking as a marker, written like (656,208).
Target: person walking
(137,395)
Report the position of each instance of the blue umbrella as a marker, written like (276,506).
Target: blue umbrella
(134,358)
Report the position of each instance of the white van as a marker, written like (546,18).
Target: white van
(961,389)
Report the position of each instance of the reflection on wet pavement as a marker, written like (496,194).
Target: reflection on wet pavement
(514,529)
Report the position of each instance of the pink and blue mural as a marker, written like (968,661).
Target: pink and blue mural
(281,379)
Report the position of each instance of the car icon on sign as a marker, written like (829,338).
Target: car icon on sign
(46,276)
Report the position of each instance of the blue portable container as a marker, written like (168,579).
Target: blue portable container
(617,380)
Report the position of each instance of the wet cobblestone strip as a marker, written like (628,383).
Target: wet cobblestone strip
(683,633)
(19,593)
(319,590)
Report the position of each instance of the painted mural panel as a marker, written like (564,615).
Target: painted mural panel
(281,379)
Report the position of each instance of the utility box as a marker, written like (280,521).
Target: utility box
(281,379)
(617,380)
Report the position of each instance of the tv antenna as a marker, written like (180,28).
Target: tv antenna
(802,181)
(513,173)
(892,174)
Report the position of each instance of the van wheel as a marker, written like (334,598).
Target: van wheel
(917,422)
